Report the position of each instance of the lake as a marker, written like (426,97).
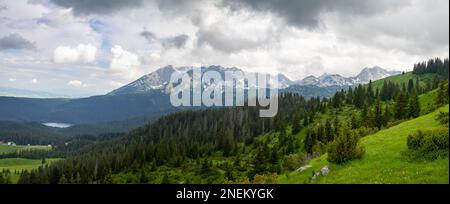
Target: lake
(58,125)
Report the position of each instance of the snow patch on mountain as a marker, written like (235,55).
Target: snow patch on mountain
(364,77)
(159,80)
(374,73)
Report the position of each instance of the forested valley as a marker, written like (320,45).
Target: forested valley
(235,145)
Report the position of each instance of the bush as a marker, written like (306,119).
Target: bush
(319,148)
(266,179)
(345,147)
(429,144)
(364,131)
(293,161)
(442,117)
(415,140)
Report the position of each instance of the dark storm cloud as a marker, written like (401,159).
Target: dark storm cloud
(86,7)
(15,42)
(306,13)
(178,41)
(207,34)
(177,5)
(225,43)
(149,36)
(298,13)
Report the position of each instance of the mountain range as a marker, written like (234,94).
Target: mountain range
(159,79)
(147,99)
(365,76)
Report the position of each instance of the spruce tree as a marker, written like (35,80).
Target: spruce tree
(309,142)
(345,147)
(328,131)
(401,106)
(354,121)
(359,96)
(418,88)
(378,114)
(410,85)
(259,160)
(370,119)
(226,142)
(370,93)
(365,111)
(384,91)
(296,126)
(387,116)
(414,106)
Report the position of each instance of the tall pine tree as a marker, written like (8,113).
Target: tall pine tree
(378,114)
(414,106)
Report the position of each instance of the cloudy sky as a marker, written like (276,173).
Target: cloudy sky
(86,47)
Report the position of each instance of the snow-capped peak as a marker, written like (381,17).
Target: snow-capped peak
(159,79)
(374,73)
(366,75)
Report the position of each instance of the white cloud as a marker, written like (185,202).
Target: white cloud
(80,54)
(124,63)
(115,84)
(76,83)
(12,79)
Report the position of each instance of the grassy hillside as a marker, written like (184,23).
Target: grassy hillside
(10,149)
(19,164)
(427,102)
(404,78)
(383,161)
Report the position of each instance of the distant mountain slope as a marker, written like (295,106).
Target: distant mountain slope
(154,81)
(13,92)
(118,126)
(23,133)
(310,91)
(85,110)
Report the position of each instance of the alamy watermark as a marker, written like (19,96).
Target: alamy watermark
(227,88)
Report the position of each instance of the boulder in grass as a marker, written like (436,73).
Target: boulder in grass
(303,168)
(325,170)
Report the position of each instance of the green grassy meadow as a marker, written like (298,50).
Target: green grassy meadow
(4,149)
(383,161)
(404,78)
(19,164)
(427,102)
